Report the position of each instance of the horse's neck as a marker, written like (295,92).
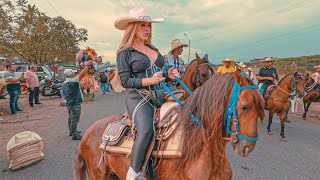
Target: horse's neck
(285,85)
(187,79)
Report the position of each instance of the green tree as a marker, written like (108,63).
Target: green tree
(31,35)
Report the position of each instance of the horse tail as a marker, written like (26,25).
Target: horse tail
(79,166)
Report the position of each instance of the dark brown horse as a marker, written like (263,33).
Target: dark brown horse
(313,95)
(204,155)
(278,101)
(197,73)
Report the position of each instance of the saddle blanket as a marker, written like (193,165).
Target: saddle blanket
(166,149)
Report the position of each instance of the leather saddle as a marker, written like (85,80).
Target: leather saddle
(118,137)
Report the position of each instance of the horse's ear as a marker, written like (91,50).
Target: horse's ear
(198,59)
(205,58)
(237,76)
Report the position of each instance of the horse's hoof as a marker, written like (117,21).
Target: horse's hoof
(284,139)
(270,133)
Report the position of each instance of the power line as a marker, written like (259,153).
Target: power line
(259,19)
(53,8)
(270,38)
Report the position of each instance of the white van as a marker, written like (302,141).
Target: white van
(42,70)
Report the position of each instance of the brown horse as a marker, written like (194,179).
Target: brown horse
(197,73)
(203,155)
(278,99)
(313,95)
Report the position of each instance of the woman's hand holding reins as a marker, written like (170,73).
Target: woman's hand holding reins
(155,79)
(172,73)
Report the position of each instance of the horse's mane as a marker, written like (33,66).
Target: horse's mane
(190,64)
(283,78)
(208,103)
(202,60)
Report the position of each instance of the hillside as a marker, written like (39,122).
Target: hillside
(287,65)
(284,66)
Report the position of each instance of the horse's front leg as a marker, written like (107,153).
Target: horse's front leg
(306,108)
(270,121)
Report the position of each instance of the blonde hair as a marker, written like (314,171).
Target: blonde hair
(128,37)
(127,41)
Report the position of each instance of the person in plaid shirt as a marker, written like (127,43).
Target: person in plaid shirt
(172,58)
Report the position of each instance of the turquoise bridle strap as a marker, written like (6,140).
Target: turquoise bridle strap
(231,112)
(193,117)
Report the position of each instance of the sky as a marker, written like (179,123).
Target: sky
(236,29)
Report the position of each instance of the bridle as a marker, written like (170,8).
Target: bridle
(197,74)
(231,113)
(295,90)
(311,86)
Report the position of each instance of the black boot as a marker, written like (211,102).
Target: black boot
(77,132)
(76,137)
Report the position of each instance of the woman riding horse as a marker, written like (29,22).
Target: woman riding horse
(138,62)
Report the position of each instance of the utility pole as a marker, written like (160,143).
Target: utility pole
(189,49)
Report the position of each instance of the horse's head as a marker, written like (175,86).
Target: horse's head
(203,70)
(244,123)
(297,84)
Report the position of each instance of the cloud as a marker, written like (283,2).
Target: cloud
(215,27)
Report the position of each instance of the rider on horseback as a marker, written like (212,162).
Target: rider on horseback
(316,76)
(138,62)
(266,75)
(172,58)
(228,66)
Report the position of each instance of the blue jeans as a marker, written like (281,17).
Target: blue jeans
(108,86)
(14,97)
(103,87)
(263,88)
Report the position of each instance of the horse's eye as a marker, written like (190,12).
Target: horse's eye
(245,108)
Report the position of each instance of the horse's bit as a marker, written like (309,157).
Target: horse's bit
(231,113)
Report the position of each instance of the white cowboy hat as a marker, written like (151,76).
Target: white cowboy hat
(241,64)
(135,15)
(22,138)
(316,67)
(249,69)
(268,59)
(176,43)
(227,60)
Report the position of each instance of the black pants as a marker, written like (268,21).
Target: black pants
(143,120)
(73,119)
(34,95)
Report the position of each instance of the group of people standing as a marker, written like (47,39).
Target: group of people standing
(14,89)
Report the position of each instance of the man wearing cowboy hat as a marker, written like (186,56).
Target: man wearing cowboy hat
(266,75)
(316,76)
(172,58)
(240,67)
(228,66)
(250,74)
